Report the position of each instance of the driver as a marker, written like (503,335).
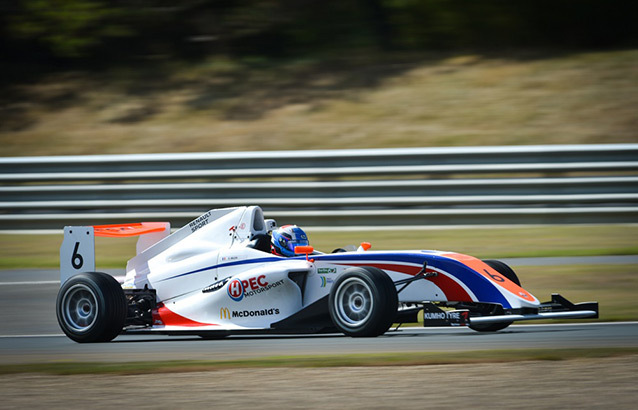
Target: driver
(285,238)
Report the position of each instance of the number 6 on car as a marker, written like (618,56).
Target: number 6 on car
(216,276)
(77,253)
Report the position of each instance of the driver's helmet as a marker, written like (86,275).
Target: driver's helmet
(286,238)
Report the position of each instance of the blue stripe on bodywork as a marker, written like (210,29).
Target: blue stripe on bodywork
(483,288)
(223,265)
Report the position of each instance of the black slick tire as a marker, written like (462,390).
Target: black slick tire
(363,302)
(91,307)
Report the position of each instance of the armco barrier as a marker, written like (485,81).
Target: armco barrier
(415,186)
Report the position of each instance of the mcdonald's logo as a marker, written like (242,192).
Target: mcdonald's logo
(224,313)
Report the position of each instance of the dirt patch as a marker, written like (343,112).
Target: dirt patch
(583,383)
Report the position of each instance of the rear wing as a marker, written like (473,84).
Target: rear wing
(77,253)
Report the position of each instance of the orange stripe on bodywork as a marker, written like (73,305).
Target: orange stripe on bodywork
(491,274)
(125,230)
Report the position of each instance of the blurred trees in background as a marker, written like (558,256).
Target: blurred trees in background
(107,31)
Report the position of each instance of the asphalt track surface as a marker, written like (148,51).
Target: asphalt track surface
(29,333)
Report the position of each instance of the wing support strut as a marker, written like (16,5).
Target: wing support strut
(422,274)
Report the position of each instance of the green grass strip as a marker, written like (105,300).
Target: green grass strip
(358,360)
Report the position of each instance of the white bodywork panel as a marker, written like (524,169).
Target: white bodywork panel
(194,248)
(147,240)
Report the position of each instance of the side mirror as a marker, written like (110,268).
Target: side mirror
(270,224)
(304,249)
(307,250)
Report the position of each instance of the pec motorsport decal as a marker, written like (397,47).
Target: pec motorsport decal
(215,286)
(225,313)
(238,289)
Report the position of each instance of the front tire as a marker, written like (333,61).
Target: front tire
(91,307)
(505,270)
(363,302)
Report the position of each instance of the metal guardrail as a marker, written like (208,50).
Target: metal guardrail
(416,186)
(324,163)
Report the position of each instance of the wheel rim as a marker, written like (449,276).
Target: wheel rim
(354,302)
(79,308)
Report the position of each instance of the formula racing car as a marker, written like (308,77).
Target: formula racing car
(216,276)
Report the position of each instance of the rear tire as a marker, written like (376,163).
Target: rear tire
(505,270)
(91,307)
(363,302)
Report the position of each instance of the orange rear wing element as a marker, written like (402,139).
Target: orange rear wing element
(77,253)
(125,230)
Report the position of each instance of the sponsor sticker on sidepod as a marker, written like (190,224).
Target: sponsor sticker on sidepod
(225,313)
(238,289)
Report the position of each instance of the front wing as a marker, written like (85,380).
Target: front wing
(557,308)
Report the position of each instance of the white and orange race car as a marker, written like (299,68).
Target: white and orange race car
(217,276)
